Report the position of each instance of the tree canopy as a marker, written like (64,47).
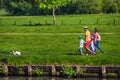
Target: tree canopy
(44,7)
(52,4)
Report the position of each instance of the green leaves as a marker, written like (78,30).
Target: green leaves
(49,4)
(42,5)
(68,71)
(38,71)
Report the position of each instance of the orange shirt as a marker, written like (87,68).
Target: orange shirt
(87,35)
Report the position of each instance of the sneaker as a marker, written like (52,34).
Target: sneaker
(102,51)
(82,53)
(94,53)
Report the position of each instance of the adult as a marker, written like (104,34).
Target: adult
(87,39)
(97,39)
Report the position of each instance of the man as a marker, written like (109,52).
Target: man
(87,39)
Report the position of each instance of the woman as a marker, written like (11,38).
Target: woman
(97,39)
(87,39)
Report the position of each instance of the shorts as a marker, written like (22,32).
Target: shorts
(87,44)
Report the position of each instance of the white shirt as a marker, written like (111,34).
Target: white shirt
(82,43)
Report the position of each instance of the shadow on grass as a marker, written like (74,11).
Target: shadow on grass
(72,54)
(38,24)
(4,52)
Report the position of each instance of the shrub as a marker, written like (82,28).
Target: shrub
(68,71)
(37,71)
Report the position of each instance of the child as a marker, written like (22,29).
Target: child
(81,45)
(92,46)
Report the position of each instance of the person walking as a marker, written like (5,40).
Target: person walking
(97,39)
(92,45)
(87,39)
(81,45)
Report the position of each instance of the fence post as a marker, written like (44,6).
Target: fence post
(46,22)
(14,23)
(77,70)
(103,71)
(80,21)
(98,20)
(29,70)
(114,21)
(53,70)
(30,23)
(5,70)
(0,21)
(62,22)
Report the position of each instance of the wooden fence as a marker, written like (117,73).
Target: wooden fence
(57,70)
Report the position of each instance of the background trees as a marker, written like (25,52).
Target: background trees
(111,6)
(52,4)
(0,4)
(31,7)
(87,6)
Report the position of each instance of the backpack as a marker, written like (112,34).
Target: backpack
(99,37)
(92,36)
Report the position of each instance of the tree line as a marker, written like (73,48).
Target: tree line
(32,7)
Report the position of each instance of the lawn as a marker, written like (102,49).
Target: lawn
(47,44)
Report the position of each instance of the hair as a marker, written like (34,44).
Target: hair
(95,30)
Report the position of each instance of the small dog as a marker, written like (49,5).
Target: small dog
(16,53)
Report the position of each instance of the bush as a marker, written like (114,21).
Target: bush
(3,12)
(68,71)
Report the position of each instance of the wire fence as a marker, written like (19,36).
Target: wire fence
(33,22)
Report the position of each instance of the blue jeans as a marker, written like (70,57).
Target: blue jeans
(80,49)
(97,45)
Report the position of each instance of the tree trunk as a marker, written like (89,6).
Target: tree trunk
(54,18)
(0,4)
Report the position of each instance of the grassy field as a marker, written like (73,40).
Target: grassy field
(42,43)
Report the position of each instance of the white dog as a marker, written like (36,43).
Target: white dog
(16,53)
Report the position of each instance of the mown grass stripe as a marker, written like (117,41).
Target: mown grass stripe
(48,33)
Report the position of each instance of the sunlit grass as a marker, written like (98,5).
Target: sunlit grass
(47,44)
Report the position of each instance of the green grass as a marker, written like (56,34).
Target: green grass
(65,19)
(46,44)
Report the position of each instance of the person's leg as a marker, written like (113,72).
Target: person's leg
(92,48)
(81,51)
(87,45)
(97,46)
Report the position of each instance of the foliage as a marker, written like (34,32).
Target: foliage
(110,6)
(53,4)
(68,71)
(3,12)
(88,6)
(38,71)
(19,70)
(1,70)
(81,72)
(0,4)
(16,7)
(43,7)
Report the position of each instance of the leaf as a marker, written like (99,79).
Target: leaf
(42,6)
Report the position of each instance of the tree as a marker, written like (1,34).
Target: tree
(52,4)
(18,7)
(117,4)
(110,6)
(0,4)
(87,6)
